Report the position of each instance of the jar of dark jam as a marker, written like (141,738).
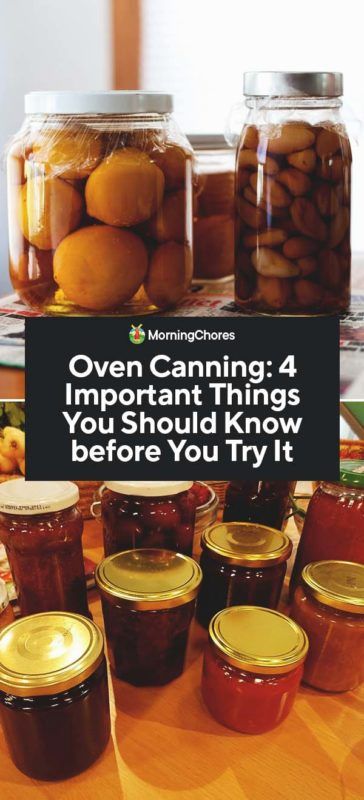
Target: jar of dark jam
(329,604)
(147,514)
(41,528)
(242,564)
(54,702)
(264,502)
(334,523)
(148,602)
(253,666)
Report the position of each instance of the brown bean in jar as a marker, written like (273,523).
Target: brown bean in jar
(293,196)
(100,204)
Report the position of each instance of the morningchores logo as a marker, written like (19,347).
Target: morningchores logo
(199,335)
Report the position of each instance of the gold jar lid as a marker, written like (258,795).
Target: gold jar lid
(246,544)
(258,640)
(338,584)
(149,579)
(48,653)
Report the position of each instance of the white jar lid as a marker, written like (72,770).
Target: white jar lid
(113,102)
(37,497)
(149,488)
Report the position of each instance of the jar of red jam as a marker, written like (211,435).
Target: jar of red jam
(6,612)
(334,523)
(264,502)
(147,514)
(148,602)
(54,702)
(41,528)
(253,666)
(329,604)
(242,564)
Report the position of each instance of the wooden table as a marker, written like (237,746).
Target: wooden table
(12,383)
(166,746)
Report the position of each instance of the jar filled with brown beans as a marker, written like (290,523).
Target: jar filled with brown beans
(293,196)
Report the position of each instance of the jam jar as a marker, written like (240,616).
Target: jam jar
(253,665)
(241,564)
(41,528)
(334,523)
(206,503)
(213,229)
(293,186)
(100,204)
(329,604)
(54,702)
(148,602)
(265,502)
(6,612)
(147,514)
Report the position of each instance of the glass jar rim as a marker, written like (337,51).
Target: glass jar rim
(148,579)
(337,584)
(48,653)
(28,498)
(258,640)
(106,102)
(246,544)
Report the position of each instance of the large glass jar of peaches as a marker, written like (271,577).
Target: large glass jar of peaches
(293,196)
(100,204)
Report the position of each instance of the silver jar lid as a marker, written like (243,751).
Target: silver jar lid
(293,84)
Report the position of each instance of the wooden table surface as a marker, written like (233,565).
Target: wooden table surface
(12,383)
(165,745)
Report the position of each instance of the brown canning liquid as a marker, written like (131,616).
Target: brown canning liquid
(53,737)
(46,560)
(78,197)
(293,219)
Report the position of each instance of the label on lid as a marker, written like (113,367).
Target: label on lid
(37,497)
(149,488)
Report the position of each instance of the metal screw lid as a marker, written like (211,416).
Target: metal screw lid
(293,84)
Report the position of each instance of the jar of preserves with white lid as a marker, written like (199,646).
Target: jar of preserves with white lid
(41,528)
(293,196)
(214,167)
(100,204)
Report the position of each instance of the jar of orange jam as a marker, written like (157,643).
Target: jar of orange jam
(329,604)
(334,523)
(100,204)
(253,666)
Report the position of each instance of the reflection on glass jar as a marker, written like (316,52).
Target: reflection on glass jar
(329,604)
(147,514)
(264,502)
(242,564)
(100,204)
(293,196)
(54,703)
(334,523)
(148,601)
(214,242)
(253,666)
(41,528)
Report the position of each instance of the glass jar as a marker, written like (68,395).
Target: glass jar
(206,503)
(242,564)
(6,612)
(213,231)
(100,204)
(293,196)
(329,604)
(148,601)
(41,528)
(253,665)
(264,502)
(334,523)
(147,514)
(54,702)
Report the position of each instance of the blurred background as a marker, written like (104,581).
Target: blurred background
(195,49)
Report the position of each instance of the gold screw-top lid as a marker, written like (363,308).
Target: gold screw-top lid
(338,584)
(149,579)
(246,544)
(48,653)
(258,640)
